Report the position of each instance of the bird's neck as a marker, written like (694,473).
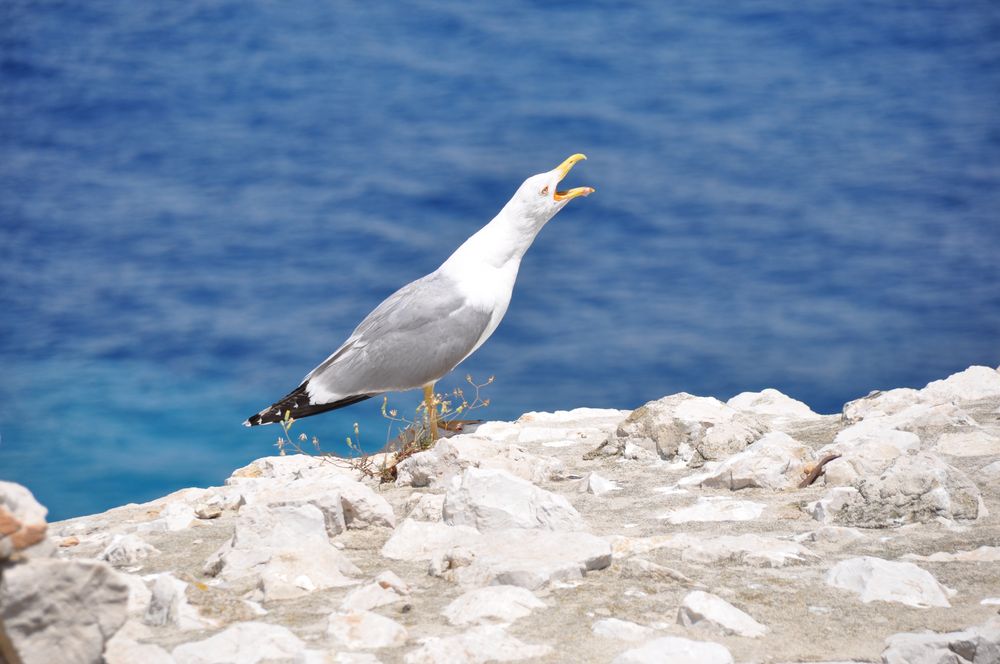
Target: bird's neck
(498,244)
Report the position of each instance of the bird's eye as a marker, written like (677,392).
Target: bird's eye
(545,191)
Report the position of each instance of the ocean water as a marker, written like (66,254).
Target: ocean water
(198,202)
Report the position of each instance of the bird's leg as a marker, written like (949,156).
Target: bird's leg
(431,404)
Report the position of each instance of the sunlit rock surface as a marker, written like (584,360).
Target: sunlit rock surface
(689,530)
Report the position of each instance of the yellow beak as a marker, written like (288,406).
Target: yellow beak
(565,168)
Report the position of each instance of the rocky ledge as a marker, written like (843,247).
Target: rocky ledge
(688,530)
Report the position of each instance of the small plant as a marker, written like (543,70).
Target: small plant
(414,435)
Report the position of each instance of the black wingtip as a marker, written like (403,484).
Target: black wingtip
(297,405)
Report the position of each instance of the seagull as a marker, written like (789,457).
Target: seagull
(426,328)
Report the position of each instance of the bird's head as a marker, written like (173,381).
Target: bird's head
(539,198)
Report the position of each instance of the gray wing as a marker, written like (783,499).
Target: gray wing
(418,334)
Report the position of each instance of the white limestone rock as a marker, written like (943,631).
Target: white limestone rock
(422,540)
(291,467)
(883,580)
(485,643)
(22,524)
(344,502)
(697,429)
(387,588)
(596,485)
(623,630)
(174,516)
(707,610)
(880,403)
(243,643)
(365,629)
(363,507)
(914,488)
(712,508)
(168,605)
(139,594)
(493,603)
(448,458)
(970,442)
(749,549)
(771,403)
(972,384)
(776,461)
(519,462)
(127,550)
(496,500)
(426,506)
(63,611)
(125,647)
(976,645)
(431,468)
(285,549)
(605,419)
(865,450)
(530,558)
(828,508)
(301,492)
(676,650)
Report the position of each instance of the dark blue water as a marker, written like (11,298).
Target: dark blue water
(199,200)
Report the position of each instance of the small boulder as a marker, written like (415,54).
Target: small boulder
(169,605)
(975,645)
(125,647)
(422,540)
(596,485)
(865,450)
(697,429)
(285,549)
(387,588)
(126,550)
(776,461)
(529,558)
(493,603)
(623,630)
(365,629)
(707,610)
(877,579)
(495,500)
(914,488)
(771,403)
(64,611)
(246,643)
(426,506)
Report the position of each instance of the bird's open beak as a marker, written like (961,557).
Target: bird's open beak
(565,168)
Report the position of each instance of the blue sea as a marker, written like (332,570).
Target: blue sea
(199,200)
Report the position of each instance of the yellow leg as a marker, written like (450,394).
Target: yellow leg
(431,404)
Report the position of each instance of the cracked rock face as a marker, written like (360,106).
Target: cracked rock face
(696,429)
(61,611)
(914,488)
(675,533)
